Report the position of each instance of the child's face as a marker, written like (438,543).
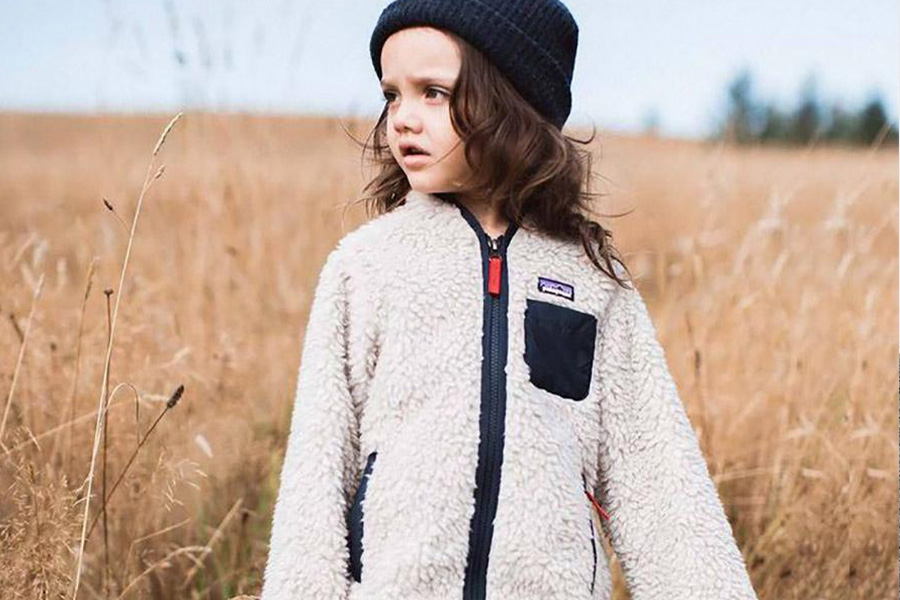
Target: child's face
(419,68)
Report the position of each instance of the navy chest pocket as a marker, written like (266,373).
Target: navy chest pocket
(559,348)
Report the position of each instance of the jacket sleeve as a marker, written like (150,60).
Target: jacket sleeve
(308,555)
(667,525)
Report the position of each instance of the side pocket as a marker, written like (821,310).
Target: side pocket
(593,536)
(594,548)
(355,521)
(559,348)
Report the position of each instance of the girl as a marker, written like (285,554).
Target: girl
(477,375)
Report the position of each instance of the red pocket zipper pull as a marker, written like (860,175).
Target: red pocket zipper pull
(494,276)
(597,505)
(494,272)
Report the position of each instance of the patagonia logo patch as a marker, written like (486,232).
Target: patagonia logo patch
(557,288)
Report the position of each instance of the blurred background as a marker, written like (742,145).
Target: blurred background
(794,73)
(173,174)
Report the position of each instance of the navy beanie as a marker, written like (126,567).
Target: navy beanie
(532,42)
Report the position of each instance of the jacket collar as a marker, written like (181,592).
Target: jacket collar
(448,202)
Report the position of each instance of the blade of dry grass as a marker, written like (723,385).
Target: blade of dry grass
(12,387)
(148,182)
(212,541)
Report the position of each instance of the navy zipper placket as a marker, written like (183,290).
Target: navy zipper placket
(495,443)
(493,407)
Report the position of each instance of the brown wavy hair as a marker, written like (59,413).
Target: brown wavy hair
(533,170)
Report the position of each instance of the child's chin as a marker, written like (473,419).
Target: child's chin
(425,185)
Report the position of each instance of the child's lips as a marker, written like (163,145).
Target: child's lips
(416,160)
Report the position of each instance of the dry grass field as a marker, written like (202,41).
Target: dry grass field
(771,275)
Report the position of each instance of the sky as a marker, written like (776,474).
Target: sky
(635,59)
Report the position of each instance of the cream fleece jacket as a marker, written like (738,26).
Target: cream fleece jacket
(457,408)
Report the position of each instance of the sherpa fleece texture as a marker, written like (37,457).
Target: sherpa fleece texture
(392,363)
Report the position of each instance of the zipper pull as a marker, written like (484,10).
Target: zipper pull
(494,271)
(596,504)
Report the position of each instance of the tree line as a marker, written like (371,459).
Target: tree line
(750,120)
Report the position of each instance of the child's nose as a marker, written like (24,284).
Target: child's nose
(406,116)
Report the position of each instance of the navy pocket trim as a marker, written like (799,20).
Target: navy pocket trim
(355,520)
(593,536)
(594,548)
(559,348)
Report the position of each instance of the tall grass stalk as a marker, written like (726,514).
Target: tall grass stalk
(148,182)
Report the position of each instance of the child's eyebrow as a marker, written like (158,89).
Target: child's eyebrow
(423,79)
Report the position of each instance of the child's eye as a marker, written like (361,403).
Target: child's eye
(389,96)
(439,91)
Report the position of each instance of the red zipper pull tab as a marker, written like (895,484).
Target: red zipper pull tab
(597,505)
(494,268)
